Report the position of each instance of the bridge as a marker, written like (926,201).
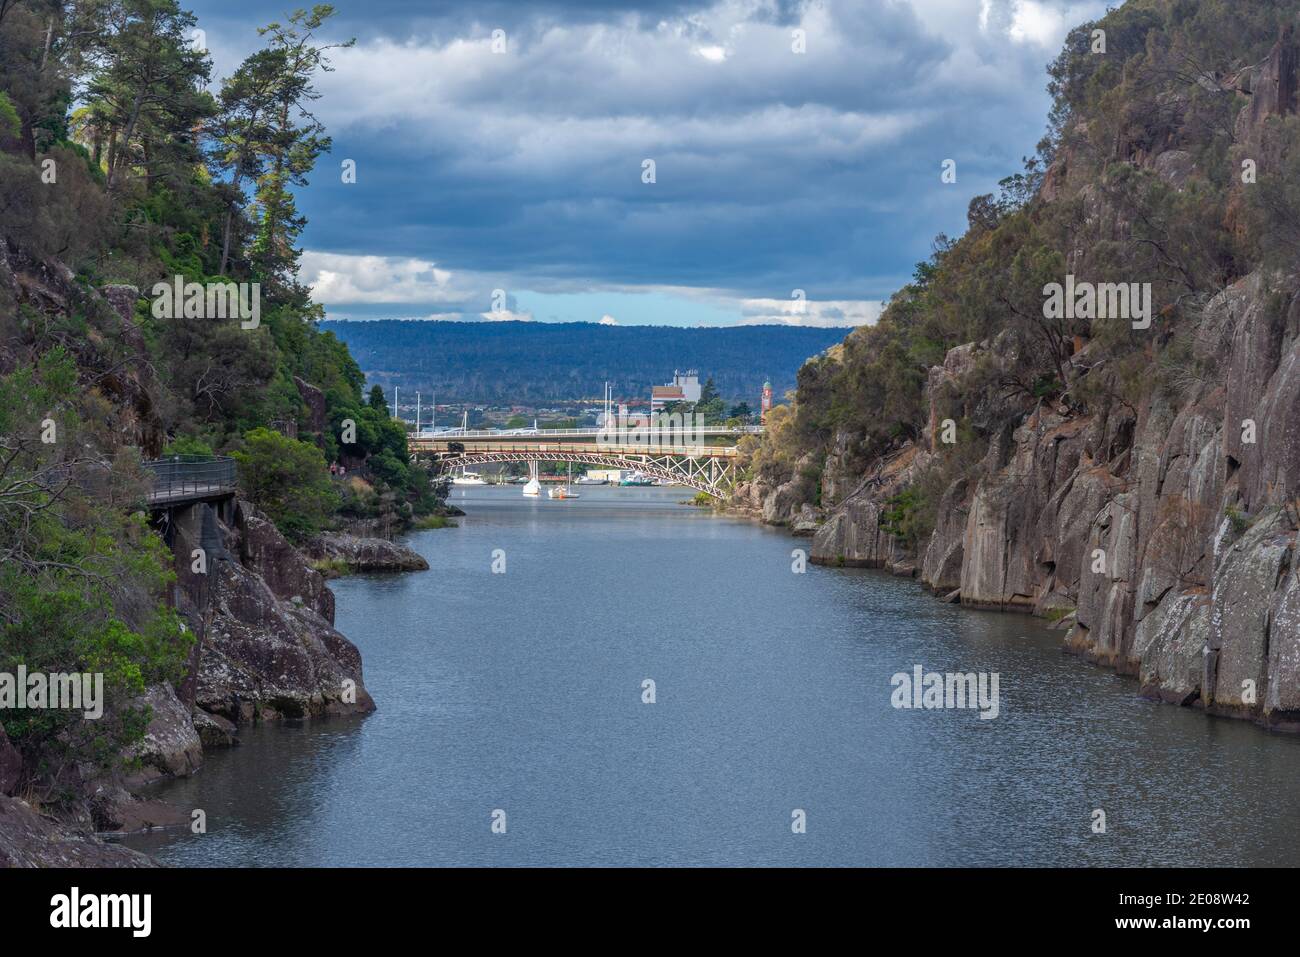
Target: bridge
(701,458)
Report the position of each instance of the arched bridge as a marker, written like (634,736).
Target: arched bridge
(698,463)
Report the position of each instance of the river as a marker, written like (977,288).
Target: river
(522,691)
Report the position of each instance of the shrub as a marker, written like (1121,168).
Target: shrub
(288,480)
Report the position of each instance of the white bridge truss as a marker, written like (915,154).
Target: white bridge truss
(714,474)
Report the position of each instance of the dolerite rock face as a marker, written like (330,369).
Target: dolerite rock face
(365,554)
(269,648)
(852,536)
(265,552)
(1161,528)
(1282,702)
(29,840)
(1246,577)
(1164,536)
(1272,84)
(314,399)
(1171,645)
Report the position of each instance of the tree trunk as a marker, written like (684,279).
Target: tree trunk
(126,140)
(229,226)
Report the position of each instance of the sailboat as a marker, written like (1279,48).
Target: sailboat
(565,490)
(533,488)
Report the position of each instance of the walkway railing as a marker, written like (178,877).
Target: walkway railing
(180,477)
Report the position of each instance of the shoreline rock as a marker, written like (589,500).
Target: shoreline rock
(356,554)
(27,839)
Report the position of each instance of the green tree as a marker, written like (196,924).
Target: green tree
(295,138)
(710,406)
(286,479)
(377,400)
(148,86)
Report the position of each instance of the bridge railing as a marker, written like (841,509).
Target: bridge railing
(562,449)
(191,476)
(454,434)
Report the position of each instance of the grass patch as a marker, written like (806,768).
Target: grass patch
(434,521)
(1237,518)
(331,567)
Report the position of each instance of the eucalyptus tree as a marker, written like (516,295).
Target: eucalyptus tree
(268,133)
(149,84)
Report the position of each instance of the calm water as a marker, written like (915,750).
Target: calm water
(522,691)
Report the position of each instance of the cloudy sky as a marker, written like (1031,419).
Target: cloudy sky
(779,176)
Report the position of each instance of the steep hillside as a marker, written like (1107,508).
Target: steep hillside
(202,616)
(1133,472)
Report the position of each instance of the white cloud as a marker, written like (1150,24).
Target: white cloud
(608,320)
(824,314)
(1042,23)
(338,277)
(1034,23)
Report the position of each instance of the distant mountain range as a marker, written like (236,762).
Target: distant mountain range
(535,363)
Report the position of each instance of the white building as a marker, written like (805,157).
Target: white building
(685,387)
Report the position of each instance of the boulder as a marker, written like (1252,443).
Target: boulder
(365,554)
(214,730)
(117,811)
(265,658)
(170,747)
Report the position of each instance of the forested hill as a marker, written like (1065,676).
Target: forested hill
(537,362)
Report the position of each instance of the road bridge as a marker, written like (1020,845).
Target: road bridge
(700,458)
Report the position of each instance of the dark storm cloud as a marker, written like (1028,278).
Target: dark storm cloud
(775,170)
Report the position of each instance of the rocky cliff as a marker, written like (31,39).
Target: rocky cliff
(1162,532)
(263,618)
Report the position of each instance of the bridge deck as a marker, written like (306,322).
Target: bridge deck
(596,448)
